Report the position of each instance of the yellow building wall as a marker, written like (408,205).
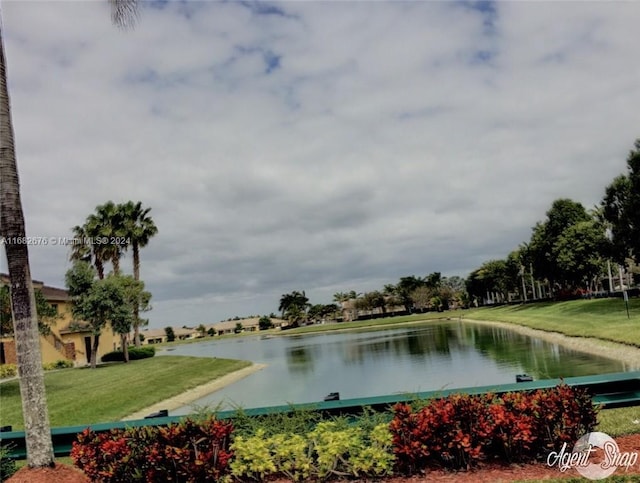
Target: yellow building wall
(49,352)
(108,342)
(51,346)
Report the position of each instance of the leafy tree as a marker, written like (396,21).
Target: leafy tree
(211,332)
(579,253)
(492,276)
(405,287)
(136,300)
(562,214)
(265,323)
(121,291)
(202,329)
(433,280)
(171,335)
(104,300)
(376,300)
(621,209)
(239,328)
(455,283)
(422,297)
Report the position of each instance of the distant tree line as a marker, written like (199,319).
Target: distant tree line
(573,250)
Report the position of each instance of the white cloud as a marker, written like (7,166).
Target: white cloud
(318,146)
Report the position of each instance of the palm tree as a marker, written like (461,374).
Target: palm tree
(96,239)
(106,228)
(25,319)
(295,305)
(83,250)
(286,300)
(12,231)
(138,229)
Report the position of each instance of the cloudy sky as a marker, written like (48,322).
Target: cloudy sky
(318,146)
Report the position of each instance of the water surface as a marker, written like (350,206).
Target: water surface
(305,368)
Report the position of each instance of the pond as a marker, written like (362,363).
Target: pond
(434,356)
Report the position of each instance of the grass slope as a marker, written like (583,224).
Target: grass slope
(113,391)
(601,318)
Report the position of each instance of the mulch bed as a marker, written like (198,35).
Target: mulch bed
(58,474)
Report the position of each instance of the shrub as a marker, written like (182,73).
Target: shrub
(460,430)
(333,448)
(7,464)
(59,364)
(188,452)
(135,353)
(253,457)
(8,370)
(451,431)
(350,451)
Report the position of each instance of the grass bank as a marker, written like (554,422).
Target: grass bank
(604,319)
(113,391)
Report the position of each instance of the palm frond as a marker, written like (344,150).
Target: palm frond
(124,13)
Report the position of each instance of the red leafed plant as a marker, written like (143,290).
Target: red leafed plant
(187,452)
(460,430)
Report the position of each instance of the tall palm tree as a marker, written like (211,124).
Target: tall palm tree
(95,240)
(286,300)
(23,304)
(106,229)
(138,228)
(12,230)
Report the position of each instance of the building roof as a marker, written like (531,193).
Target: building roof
(153,333)
(51,294)
(76,326)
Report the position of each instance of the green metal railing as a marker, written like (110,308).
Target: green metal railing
(610,390)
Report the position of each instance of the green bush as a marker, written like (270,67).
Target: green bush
(135,353)
(8,370)
(59,364)
(332,449)
(7,465)
(351,452)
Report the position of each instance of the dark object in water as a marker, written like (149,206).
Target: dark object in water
(523,378)
(163,413)
(333,396)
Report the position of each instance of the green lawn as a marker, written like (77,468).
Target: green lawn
(113,391)
(601,318)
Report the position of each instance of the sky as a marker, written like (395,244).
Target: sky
(318,146)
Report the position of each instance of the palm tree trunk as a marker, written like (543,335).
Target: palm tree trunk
(99,268)
(23,305)
(116,265)
(136,311)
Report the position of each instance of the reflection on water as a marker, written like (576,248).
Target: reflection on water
(401,360)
